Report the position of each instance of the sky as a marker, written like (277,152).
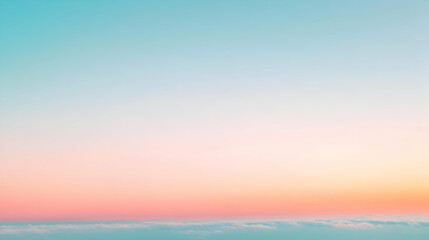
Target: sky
(205,109)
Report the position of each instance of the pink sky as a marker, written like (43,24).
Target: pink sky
(230,171)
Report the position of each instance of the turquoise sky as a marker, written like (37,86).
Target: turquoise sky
(313,55)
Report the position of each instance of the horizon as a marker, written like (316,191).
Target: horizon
(233,218)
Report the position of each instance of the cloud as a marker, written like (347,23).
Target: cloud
(45,228)
(203,228)
(362,225)
(255,226)
(209,226)
(21,229)
(367,222)
(417,221)
(337,223)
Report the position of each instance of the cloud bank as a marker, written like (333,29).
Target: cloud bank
(205,228)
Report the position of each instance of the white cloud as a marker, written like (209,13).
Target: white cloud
(255,226)
(221,226)
(361,225)
(44,228)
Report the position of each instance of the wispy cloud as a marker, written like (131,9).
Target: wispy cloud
(204,228)
(361,225)
(44,228)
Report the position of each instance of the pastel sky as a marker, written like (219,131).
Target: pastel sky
(198,109)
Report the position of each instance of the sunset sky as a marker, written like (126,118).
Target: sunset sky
(129,109)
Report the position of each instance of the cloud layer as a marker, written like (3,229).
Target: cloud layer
(205,228)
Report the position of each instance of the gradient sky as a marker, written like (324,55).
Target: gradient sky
(166,109)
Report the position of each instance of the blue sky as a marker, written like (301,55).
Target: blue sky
(51,49)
